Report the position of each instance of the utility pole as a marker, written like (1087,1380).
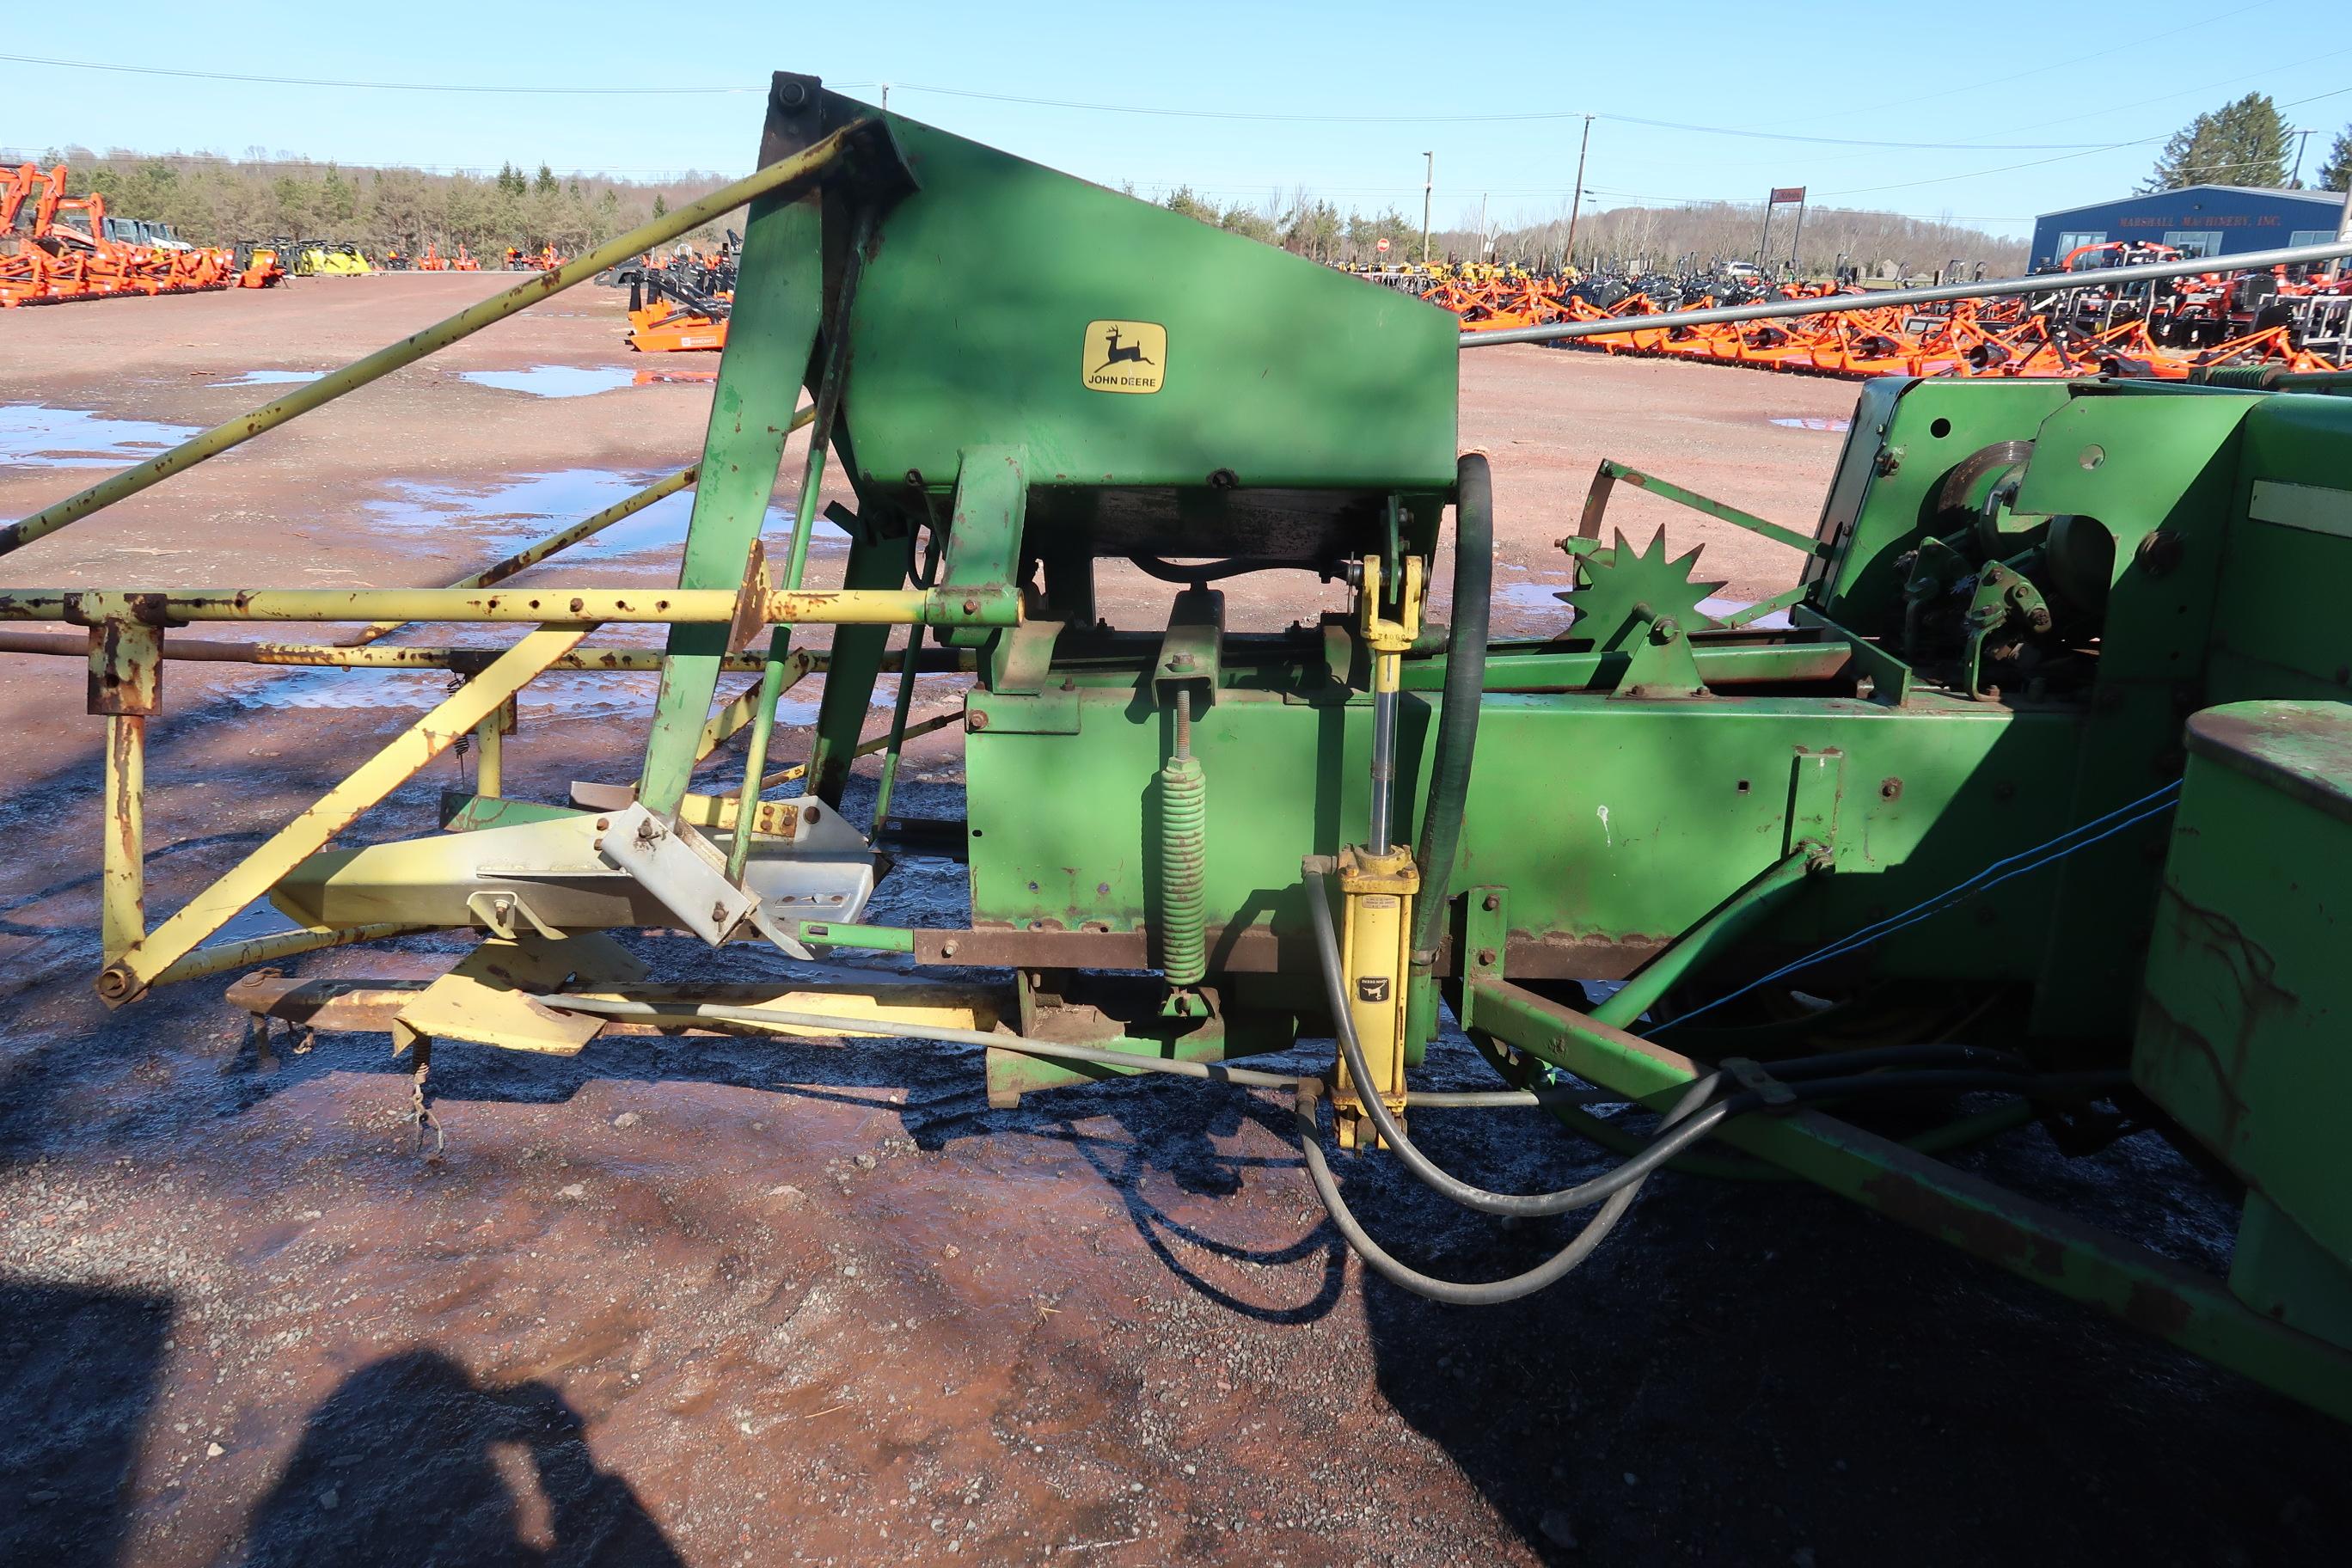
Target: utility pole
(1486,246)
(1428,184)
(2302,140)
(886,95)
(1576,197)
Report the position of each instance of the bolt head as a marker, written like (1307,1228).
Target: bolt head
(975,721)
(1486,958)
(1492,904)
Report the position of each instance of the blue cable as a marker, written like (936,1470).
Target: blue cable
(2039,856)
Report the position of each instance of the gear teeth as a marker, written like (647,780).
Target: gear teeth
(1616,581)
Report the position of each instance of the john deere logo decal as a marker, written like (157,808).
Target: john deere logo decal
(1124,356)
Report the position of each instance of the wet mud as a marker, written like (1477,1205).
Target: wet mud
(719,1301)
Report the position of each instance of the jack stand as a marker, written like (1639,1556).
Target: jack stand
(1378,881)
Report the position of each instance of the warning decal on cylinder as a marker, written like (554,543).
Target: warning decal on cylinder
(1124,356)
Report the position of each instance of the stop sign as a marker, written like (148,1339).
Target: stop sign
(1381,245)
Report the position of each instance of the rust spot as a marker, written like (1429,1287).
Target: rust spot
(1987,1235)
(2159,1311)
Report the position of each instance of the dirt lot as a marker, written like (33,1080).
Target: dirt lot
(717,1302)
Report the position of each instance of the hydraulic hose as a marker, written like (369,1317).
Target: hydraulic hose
(1454,1293)
(1531,1205)
(1457,715)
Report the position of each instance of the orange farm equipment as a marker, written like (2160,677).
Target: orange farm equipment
(2206,320)
(54,248)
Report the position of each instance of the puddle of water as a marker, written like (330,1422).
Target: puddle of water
(530,506)
(35,435)
(1811,422)
(559,694)
(272,378)
(555,380)
(1538,597)
(1719,608)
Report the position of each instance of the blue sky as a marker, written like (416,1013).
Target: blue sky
(1370,85)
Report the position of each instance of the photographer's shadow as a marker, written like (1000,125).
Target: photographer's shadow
(411,1460)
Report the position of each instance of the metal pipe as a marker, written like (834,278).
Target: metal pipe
(464,660)
(1771,310)
(787,178)
(1384,711)
(895,743)
(230,955)
(532,555)
(873,1028)
(982,605)
(1747,906)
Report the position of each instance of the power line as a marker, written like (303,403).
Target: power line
(1228,114)
(383,86)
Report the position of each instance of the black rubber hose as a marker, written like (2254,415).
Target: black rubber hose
(1457,715)
(1530,1206)
(1455,1292)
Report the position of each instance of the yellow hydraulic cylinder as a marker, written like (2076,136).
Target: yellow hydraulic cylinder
(1376,938)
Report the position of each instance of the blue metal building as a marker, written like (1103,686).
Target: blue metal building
(2199,220)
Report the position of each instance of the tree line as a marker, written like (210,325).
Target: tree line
(217,201)
(1700,235)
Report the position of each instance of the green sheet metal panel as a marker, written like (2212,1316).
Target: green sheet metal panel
(972,329)
(2281,627)
(1610,821)
(2245,1028)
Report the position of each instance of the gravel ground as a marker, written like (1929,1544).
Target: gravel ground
(719,1301)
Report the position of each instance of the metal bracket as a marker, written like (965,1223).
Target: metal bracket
(679,866)
(1193,649)
(1817,782)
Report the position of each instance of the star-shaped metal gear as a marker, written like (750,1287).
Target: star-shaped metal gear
(1621,591)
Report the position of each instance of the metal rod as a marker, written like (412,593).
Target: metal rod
(1384,712)
(532,555)
(895,743)
(465,660)
(979,604)
(1769,309)
(230,955)
(787,177)
(1759,897)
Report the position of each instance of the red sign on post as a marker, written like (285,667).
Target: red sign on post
(1787,194)
(1381,246)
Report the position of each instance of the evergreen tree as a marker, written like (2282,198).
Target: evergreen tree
(545,184)
(2240,143)
(661,207)
(2336,175)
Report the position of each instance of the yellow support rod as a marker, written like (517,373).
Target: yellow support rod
(122,898)
(788,179)
(336,656)
(729,721)
(995,605)
(244,955)
(129,975)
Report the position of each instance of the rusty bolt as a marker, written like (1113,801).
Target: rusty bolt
(1890,789)
(947,950)
(975,721)
(972,607)
(718,912)
(603,823)
(1493,902)
(113,982)
(1486,958)
(809,813)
